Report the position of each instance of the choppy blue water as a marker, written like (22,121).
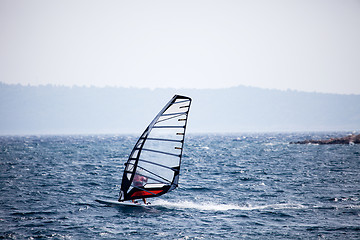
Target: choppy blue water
(246,186)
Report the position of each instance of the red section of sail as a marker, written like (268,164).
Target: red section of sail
(144,193)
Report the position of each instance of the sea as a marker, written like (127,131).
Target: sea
(232,186)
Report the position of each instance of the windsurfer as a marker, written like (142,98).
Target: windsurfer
(139,181)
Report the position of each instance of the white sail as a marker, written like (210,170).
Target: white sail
(154,164)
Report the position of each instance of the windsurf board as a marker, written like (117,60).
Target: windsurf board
(116,203)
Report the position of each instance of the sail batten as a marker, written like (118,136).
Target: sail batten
(172,114)
(161,152)
(154,174)
(143,189)
(166,119)
(153,166)
(165,182)
(164,139)
(160,165)
(182,101)
(168,126)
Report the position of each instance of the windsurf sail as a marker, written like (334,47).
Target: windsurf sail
(154,163)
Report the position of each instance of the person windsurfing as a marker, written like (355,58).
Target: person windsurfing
(139,181)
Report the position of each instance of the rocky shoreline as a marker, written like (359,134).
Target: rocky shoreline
(351,139)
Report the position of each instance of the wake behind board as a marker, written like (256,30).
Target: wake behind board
(116,203)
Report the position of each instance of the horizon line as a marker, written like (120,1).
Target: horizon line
(172,88)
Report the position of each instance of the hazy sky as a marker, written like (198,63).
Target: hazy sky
(305,45)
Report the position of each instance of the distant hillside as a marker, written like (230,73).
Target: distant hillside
(78,110)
